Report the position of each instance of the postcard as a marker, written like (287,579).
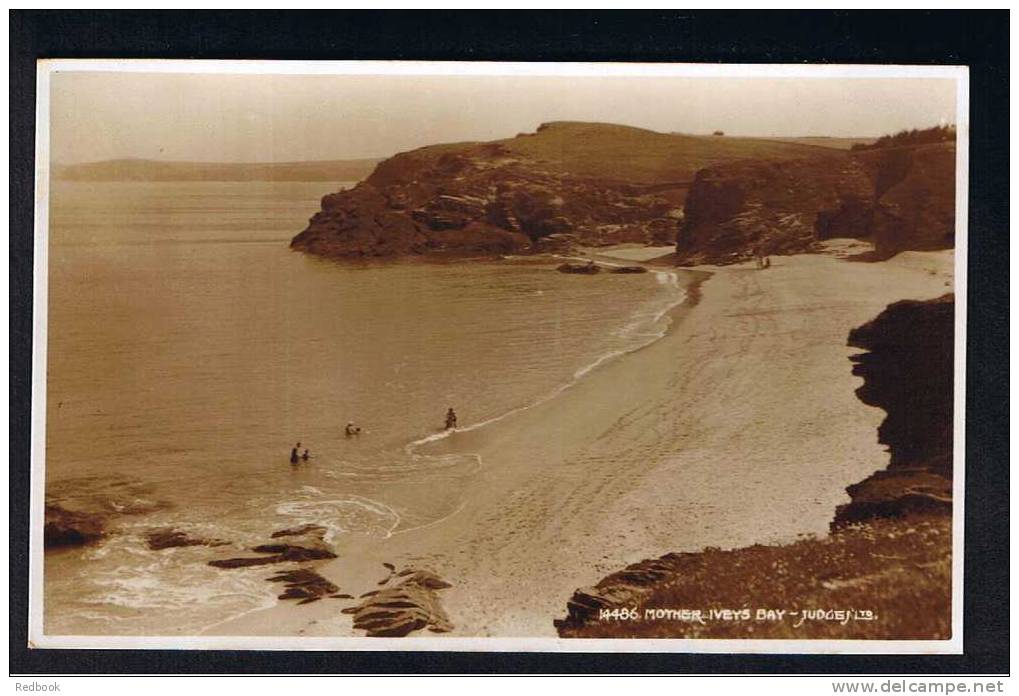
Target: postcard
(499,356)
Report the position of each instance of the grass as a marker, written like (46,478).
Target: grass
(608,151)
(897,569)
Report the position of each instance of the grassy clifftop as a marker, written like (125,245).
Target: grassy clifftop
(609,151)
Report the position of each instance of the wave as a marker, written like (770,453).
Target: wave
(647,327)
(343,515)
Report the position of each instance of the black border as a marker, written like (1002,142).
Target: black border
(976,39)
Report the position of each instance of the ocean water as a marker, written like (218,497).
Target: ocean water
(190,349)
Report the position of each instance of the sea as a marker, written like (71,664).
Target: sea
(189,350)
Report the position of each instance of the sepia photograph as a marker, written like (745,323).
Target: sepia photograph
(368,355)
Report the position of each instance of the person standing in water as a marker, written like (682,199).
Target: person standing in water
(450,418)
(293,455)
(305,456)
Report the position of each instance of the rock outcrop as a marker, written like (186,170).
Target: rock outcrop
(733,208)
(915,199)
(410,606)
(86,511)
(579,268)
(592,184)
(315,530)
(303,544)
(907,372)
(625,588)
(167,538)
(482,200)
(898,199)
(305,585)
(64,527)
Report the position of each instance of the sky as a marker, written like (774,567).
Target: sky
(280,118)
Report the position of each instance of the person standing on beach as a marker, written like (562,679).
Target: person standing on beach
(450,418)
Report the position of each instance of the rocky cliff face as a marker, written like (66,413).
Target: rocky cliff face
(899,199)
(569,182)
(480,200)
(733,208)
(916,210)
(907,372)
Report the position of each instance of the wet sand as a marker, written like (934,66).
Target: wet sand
(740,426)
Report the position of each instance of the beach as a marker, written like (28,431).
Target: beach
(739,426)
(187,291)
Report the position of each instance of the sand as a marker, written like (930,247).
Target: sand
(740,426)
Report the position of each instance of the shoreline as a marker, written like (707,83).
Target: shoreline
(361,545)
(650,453)
(674,311)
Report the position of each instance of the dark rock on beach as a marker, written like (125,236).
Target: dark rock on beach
(400,610)
(629,269)
(86,510)
(315,530)
(64,527)
(305,544)
(287,554)
(167,537)
(305,585)
(579,268)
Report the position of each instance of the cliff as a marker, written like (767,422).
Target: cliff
(908,373)
(889,551)
(568,182)
(897,198)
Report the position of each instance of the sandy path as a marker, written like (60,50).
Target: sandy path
(739,427)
